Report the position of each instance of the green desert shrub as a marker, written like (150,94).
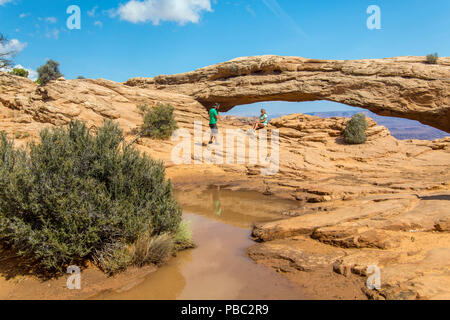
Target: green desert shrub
(76,196)
(19,72)
(432,58)
(158,122)
(355,132)
(183,236)
(48,72)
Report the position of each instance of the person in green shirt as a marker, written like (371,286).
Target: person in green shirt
(213,119)
(263,121)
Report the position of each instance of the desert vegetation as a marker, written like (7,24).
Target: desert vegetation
(432,58)
(158,122)
(355,131)
(48,72)
(78,196)
(21,135)
(5,57)
(19,72)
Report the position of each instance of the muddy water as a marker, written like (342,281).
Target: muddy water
(219,267)
(236,208)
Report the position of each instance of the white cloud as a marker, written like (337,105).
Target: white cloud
(3,2)
(91,13)
(180,11)
(51,19)
(13,46)
(52,34)
(23,15)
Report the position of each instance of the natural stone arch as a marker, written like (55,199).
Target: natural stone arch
(404,87)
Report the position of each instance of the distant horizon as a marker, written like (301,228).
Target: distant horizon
(284,107)
(400,128)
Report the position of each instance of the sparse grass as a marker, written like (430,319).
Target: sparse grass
(152,249)
(113,258)
(183,236)
(21,135)
(147,249)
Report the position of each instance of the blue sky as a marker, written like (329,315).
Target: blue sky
(123,39)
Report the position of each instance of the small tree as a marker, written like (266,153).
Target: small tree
(5,57)
(432,58)
(19,72)
(49,71)
(355,132)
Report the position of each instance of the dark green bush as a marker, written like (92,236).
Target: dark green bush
(48,72)
(355,132)
(19,72)
(77,196)
(158,122)
(432,58)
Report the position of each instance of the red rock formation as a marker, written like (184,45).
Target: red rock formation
(404,87)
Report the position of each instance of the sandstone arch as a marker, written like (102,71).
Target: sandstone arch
(404,87)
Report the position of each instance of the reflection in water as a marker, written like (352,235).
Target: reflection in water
(216,201)
(219,267)
(240,209)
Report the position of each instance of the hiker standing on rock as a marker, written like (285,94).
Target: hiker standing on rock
(213,118)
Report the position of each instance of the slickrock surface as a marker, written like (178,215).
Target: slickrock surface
(404,87)
(383,203)
(399,234)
